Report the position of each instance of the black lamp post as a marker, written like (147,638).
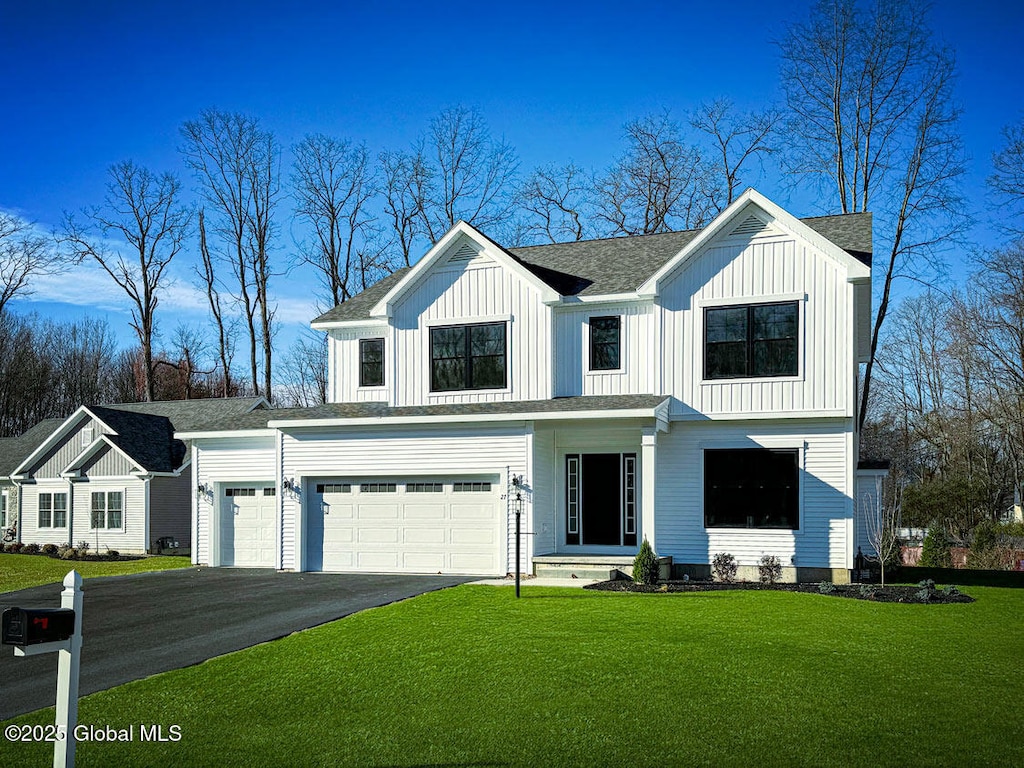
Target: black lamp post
(517,485)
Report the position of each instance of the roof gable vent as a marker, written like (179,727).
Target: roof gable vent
(752,226)
(466,252)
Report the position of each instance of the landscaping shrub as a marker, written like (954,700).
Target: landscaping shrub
(723,567)
(15,547)
(827,588)
(50,549)
(984,537)
(935,549)
(30,549)
(83,547)
(645,565)
(61,550)
(113,554)
(69,554)
(867,591)
(769,569)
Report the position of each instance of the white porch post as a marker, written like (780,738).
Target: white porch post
(648,470)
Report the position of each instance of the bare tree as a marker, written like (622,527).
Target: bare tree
(404,176)
(659,184)
(1007,179)
(872,117)
(142,210)
(559,200)
(882,520)
(24,254)
(237,166)
(332,182)
(225,338)
(305,371)
(736,139)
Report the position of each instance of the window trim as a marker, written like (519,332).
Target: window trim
(591,367)
(363,343)
(4,501)
(798,450)
(52,509)
(106,510)
(468,376)
(797,301)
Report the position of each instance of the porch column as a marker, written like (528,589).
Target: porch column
(648,470)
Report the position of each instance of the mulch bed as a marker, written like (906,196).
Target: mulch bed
(889,594)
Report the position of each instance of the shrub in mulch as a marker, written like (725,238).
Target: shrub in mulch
(64,552)
(925,592)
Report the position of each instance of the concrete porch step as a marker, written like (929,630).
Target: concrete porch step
(600,567)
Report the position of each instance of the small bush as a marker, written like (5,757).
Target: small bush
(827,588)
(69,554)
(15,547)
(926,584)
(935,549)
(61,550)
(769,569)
(867,591)
(950,591)
(723,567)
(50,549)
(924,595)
(113,554)
(83,547)
(645,565)
(31,549)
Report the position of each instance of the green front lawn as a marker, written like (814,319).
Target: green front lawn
(470,676)
(21,571)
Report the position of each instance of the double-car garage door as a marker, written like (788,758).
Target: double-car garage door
(419,525)
(375,525)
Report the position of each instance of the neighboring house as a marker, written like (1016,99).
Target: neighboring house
(697,389)
(114,476)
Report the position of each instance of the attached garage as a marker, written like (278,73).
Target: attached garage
(453,524)
(247,516)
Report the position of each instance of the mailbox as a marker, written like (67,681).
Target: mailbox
(30,626)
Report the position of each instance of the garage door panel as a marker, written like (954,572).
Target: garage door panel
(247,529)
(447,525)
(423,536)
(339,511)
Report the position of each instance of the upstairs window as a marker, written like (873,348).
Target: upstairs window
(371,362)
(468,357)
(604,343)
(758,340)
(751,488)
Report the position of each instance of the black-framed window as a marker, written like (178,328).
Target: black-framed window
(756,340)
(604,343)
(371,362)
(468,357)
(751,488)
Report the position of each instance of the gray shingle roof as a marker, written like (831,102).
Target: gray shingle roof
(342,411)
(614,265)
(188,415)
(14,450)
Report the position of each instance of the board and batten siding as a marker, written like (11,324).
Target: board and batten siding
(243,459)
(825,499)
(343,362)
(398,453)
(459,294)
(67,450)
(543,486)
(637,350)
(760,271)
(107,463)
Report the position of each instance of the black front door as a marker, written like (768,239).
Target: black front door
(602,498)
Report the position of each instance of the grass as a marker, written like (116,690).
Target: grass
(470,676)
(22,571)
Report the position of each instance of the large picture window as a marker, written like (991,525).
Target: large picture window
(604,343)
(749,341)
(468,357)
(53,510)
(751,488)
(371,362)
(107,510)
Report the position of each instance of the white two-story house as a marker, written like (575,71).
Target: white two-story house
(697,389)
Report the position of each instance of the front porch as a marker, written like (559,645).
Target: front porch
(592,566)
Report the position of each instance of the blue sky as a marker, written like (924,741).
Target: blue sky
(87,84)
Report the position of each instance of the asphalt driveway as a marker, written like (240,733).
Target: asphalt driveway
(138,625)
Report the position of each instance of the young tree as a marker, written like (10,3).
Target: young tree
(882,521)
(872,117)
(24,254)
(142,210)
(332,182)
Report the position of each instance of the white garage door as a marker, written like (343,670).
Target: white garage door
(446,525)
(247,525)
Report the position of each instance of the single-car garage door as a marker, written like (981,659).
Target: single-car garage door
(247,525)
(433,525)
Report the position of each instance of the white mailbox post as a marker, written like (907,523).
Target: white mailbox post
(69,653)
